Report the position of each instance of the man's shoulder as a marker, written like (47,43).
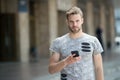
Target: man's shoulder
(90,36)
(61,37)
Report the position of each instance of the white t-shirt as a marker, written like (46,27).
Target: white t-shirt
(87,46)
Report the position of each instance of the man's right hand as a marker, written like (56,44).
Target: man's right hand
(55,65)
(71,59)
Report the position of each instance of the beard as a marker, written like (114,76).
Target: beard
(74,30)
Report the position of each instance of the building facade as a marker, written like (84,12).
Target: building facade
(27,24)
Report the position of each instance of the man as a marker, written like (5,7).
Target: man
(99,34)
(87,64)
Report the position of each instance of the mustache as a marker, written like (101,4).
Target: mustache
(74,31)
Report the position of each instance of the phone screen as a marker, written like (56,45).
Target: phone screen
(76,53)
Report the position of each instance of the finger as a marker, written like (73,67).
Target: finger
(73,55)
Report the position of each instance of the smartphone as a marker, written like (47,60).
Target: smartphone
(76,53)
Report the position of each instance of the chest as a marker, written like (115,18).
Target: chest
(85,48)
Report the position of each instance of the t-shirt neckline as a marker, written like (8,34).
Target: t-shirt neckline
(75,38)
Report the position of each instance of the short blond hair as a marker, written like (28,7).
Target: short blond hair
(74,10)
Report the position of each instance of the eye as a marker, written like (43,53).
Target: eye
(77,20)
(71,21)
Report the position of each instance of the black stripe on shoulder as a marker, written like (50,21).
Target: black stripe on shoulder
(85,43)
(86,50)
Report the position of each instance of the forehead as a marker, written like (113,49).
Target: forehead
(74,16)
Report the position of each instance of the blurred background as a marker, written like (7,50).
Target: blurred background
(27,28)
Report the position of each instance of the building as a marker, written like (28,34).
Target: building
(35,23)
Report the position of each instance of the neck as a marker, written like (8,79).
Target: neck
(76,35)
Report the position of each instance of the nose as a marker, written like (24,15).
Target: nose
(74,23)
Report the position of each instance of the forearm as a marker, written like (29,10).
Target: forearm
(57,67)
(99,74)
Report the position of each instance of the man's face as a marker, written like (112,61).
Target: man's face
(75,22)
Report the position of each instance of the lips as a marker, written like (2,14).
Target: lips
(74,28)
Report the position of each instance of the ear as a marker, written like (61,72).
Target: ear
(82,20)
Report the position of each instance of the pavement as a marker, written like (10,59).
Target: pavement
(111,64)
(39,70)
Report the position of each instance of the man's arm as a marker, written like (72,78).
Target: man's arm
(98,67)
(56,66)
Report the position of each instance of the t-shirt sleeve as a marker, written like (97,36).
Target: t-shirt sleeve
(97,47)
(54,47)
